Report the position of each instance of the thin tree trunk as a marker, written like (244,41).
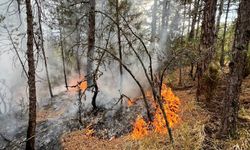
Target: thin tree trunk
(78,63)
(237,67)
(30,144)
(222,56)
(78,59)
(194,19)
(153,24)
(119,44)
(191,72)
(63,58)
(219,18)
(182,39)
(200,7)
(180,76)
(42,46)
(91,47)
(189,16)
(184,18)
(192,32)
(206,50)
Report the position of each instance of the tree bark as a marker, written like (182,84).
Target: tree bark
(222,56)
(237,67)
(119,43)
(194,19)
(184,18)
(42,46)
(206,50)
(189,15)
(91,47)
(63,58)
(219,18)
(200,10)
(153,23)
(30,144)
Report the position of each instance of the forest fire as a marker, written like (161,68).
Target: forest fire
(77,82)
(171,106)
(140,128)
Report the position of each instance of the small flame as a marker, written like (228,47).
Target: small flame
(140,128)
(83,85)
(130,103)
(89,132)
(171,106)
(75,81)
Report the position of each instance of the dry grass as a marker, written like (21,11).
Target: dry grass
(80,140)
(188,134)
(45,114)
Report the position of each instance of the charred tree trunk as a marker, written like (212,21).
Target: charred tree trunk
(91,47)
(206,50)
(222,56)
(30,144)
(42,46)
(237,66)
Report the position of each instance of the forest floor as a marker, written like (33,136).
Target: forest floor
(197,129)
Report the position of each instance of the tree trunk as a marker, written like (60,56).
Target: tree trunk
(63,58)
(180,76)
(165,16)
(119,44)
(200,10)
(189,15)
(30,144)
(91,47)
(194,19)
(191,33)
(42,47)
(222,56)
(153,24)
(219,18)
(237,66)
(78,55)
(184,18)
(206,50)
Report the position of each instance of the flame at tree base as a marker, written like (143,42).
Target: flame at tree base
(171,106)
(77,83)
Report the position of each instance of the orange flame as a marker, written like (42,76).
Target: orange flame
(140,128)
(89,132)
(171,106)
(75,82)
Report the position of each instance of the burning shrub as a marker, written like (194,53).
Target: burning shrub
(171,106)
(140,128)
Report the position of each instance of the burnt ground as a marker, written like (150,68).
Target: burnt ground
(110,129)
